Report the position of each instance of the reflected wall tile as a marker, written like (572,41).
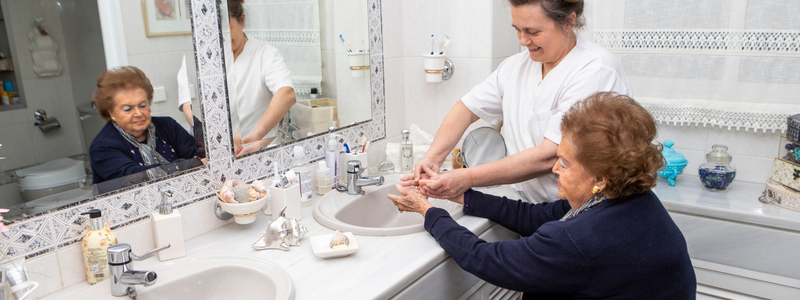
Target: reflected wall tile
(377,85)
(136,40)
(69,224)
(206,36)
(374,16)
(392,17)
(395,96)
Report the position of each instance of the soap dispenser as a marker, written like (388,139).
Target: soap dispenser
(95,244)
(406,153)
(168,229)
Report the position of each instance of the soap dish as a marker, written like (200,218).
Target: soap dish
(320,245)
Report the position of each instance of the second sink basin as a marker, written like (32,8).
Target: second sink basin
(373,213)
(211,277)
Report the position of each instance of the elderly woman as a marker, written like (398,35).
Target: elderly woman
(608,237)
(133,141)
(529,92)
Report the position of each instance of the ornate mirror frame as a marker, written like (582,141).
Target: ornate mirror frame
(63,226)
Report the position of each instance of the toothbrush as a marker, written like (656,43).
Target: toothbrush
(345,44)
(432,44)
(362,46)
(445,43)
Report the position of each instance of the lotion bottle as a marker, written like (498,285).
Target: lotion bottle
(406,153)
(323,178)
(95,244)
(168,229)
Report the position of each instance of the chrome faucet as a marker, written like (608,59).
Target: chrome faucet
(355,181)
(286,129)
(123,277)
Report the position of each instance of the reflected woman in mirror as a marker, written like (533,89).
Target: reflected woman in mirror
(263,86)
(609,237)
(132,141)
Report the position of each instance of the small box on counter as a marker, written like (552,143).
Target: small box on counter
(793,128)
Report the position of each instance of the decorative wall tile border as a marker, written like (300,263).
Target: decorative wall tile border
(44,233)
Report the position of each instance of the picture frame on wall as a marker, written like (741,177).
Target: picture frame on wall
(166,17)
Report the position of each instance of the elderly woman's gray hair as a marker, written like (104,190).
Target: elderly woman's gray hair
(557,10)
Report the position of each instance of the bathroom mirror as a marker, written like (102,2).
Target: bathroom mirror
(324,47)
(482,145)
(75,29)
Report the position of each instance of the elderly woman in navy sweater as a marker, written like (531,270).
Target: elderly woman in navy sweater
(608,237)
(132,141)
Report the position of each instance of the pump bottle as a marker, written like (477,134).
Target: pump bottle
(406,153)
(95,244)
(168,229)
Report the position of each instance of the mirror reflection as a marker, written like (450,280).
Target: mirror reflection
(58,144)
(299,68)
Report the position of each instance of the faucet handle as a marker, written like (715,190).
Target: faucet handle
(354,166)
(150,253)
(121,253)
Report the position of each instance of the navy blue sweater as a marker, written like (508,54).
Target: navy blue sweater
(112,156)
(626,248)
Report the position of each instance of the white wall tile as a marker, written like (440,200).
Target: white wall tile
(468,24)
(468,74)
(759,144)
(354,27)
(43,269)
(136,41)
(392,29)
(327,33)
(145,63)
(328,74)
(418,25)
(15,117)
(17,146)
(70,264)
(171,43)
(685,137)
(504,38)
(394,77)
(138,235)
(420,96)
(752,169)
(44,144)
(199,218)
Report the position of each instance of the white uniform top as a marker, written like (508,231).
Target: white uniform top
(532,111)
(260,72)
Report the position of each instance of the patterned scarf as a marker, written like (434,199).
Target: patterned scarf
(597,199)
(148,151)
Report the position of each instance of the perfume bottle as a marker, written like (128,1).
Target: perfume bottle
(717,173)
(406,153)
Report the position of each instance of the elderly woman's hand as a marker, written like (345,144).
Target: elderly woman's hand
(411,199)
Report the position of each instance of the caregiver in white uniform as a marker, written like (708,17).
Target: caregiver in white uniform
(529,92)
(263,86)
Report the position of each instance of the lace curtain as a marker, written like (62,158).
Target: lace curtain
(292,26)
(727,63)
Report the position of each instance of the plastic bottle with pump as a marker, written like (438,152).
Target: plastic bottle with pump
(332,158)
(168,229)
(95,244)
(303,175)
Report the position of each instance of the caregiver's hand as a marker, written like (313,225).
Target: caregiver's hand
(425,169)
(449,185)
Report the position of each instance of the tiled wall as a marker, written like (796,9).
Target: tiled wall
(481,37)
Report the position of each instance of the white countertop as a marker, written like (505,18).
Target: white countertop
(381,267)
(739,204)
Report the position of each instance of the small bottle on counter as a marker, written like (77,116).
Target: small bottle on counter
(168,229)
(406,153)
(303,175)
(95,245)
(323,178)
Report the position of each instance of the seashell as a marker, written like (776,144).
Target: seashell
(228,197)
(241,194)
(339,241)
(237,182)
(259,186)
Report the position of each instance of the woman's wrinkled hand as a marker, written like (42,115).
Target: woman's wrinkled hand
(449,185)
(237,144)
(254,147)
(411,199)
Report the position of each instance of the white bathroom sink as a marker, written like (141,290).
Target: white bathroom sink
(374,214)
(210,277)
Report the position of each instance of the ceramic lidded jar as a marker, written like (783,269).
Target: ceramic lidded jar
(675,163)
(717,173)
